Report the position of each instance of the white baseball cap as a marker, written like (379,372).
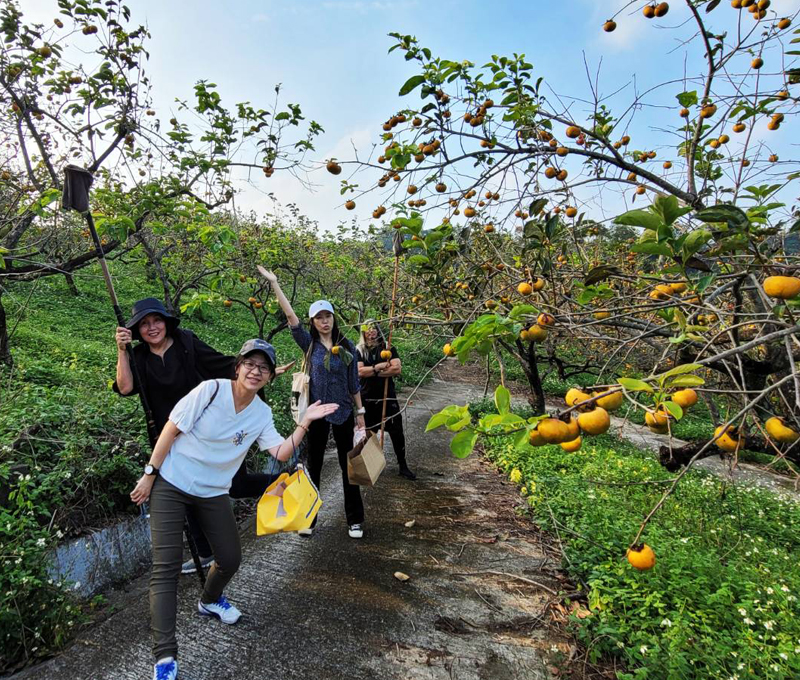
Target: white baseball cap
(319,306)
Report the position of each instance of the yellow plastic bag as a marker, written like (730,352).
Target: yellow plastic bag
(294,510)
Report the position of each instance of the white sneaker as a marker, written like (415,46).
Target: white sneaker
(356,531)
(189,567)
(306,532)
(166,669)
(221,609)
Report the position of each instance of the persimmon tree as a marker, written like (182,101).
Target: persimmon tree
(496,180)
(77,91)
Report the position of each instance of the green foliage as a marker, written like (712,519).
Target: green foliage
(722,600)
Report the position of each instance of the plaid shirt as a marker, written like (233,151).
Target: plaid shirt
(334,386)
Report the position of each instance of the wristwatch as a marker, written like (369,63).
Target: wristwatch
(150,470)
(361,411)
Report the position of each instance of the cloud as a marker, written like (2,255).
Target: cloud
(260,18)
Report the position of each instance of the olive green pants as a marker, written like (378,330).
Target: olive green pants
(168,507)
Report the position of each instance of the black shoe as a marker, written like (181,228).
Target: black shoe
(405,472)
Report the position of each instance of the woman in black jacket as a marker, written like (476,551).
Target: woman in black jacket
(171,362)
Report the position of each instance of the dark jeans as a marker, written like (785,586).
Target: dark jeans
(343,436)
(243,485)
(394,425)
(168,508)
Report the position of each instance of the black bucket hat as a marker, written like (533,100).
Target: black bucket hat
(149,306)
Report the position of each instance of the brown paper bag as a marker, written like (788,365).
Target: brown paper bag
(366,461)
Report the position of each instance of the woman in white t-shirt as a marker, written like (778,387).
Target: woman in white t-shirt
(200,449)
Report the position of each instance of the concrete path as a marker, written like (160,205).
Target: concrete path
(329,607)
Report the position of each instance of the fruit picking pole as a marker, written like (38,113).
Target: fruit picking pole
(397,251)
(76,196)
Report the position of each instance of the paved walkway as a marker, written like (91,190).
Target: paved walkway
(329,607)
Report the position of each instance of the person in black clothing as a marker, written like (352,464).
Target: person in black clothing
(171,362)
(373,372)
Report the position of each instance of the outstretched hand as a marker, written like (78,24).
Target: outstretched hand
(268,275)
(318,410)
(280,370)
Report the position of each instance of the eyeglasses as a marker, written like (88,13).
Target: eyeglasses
(251,366)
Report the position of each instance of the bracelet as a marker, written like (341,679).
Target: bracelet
(300,425)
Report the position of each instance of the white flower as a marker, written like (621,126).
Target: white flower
(666,623)
(770,591)
(40,542)
(76,585)
(643,649)
(784,656)
(749,622)
(742,611)
(684,540)
(784,588)
(768,624)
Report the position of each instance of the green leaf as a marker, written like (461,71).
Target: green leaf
(640,218)
(437,420)
(687,99)
(733,216)
(675,410)
(521,310)
(464,442)
(652,248)
(412,83)
(669,209)
(695,240)
(679,370)
(687,381)
(502,399)
(635,385)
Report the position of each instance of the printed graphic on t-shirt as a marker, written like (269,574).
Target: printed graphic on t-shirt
(238,438)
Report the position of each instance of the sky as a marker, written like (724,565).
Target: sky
(331,58)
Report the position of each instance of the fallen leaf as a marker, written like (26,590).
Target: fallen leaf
(410,523)
(400,576)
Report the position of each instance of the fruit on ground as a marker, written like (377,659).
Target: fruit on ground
(524,288)
(685,398)
(538,284)
(610,402)
(537,334)
(678,287)
(728,439)
(553,430)
(333,167)
(597,421)
(782,287)
(448,350)
(641,557)
(779,431)
(572,445)
(386,354)
(490,304)
(575,396)
(601,315)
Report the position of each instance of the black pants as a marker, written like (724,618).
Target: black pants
(394,425)
(243,485)
(343,436)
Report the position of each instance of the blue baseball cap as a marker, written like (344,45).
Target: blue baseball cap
(259,345)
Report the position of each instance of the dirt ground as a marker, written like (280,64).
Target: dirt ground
(481,601)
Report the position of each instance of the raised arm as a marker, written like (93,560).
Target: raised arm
(124,382)
(283,301)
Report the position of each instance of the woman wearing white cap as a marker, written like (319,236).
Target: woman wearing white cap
(333,379)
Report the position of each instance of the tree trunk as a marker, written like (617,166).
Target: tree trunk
(5,350)
(70,279)
(531,369)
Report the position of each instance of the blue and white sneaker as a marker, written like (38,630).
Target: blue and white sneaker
(166,669)
(221,609)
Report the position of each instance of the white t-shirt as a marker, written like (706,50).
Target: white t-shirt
(208,452)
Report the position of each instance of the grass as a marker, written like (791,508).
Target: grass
(84,446)
(722,600)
